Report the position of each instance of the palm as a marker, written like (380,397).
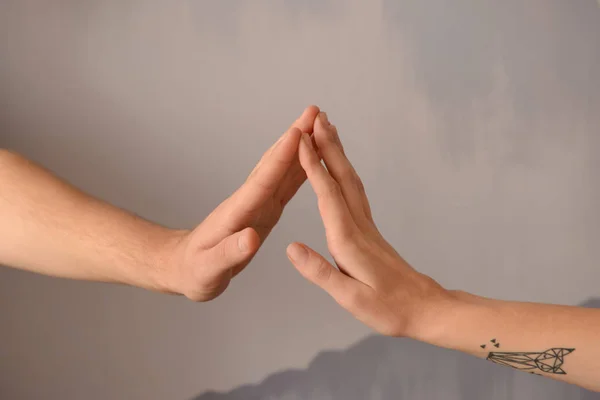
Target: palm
(252,211)
(265,217)
(261,217)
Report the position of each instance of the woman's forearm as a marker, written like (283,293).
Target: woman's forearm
(48,226)
(381,289)
(559,342)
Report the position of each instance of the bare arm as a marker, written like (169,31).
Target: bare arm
(382,290)
(551,340)
(50,227)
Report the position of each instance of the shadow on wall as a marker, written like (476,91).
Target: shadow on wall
(381,368)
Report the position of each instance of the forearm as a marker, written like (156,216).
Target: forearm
(382,290)
(48,226)
(559,342)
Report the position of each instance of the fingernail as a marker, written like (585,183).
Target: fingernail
(243,243)
(324,118)
(297,253)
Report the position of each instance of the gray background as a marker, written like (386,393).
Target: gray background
(379,368)
(474,125)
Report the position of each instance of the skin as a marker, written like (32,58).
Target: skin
(52,228)
(69,234)
(374,283)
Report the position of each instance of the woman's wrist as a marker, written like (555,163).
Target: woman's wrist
(440,316)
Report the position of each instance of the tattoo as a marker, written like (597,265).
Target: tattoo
(549,361)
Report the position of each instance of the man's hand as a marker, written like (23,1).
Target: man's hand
(70,234)
(205,260)
(373,282)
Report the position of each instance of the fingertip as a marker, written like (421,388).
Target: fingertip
(307,119)
(290,246)
(297,253)
(324,129)
(318,126)
(312,110)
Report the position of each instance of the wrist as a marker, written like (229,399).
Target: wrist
(164,262)
(441,314)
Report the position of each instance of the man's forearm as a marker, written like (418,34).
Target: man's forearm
(48,226)
(559,342)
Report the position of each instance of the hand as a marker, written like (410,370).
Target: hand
(373,282)
(203,261)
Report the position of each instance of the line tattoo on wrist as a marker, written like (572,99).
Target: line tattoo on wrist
(549,361)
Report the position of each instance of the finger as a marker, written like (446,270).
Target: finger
(337,219)
(305,123)
(342,171)
(282,187)
(267,177)
(307,120)
(229,256)
(322,122)
(348,292)
(293,181)
(296,176)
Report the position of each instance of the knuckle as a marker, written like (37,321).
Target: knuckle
(282,161)
(222,253)
(344,242)
(322,271)
(353,299)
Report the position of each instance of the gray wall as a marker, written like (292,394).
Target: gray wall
(473,123)
(382,368)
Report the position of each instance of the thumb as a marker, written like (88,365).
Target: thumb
(232,253)
(315,268)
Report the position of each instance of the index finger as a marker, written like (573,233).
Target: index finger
(307,120)
(336,216)
(267,176)
(305,123)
